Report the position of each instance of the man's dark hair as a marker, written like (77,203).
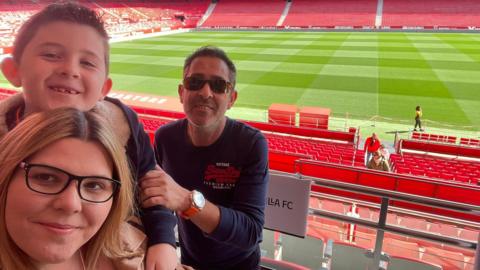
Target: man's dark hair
(59,12)
(212,51)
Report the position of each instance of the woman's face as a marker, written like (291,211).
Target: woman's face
(52,228)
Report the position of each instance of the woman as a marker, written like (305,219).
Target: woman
(46,222)
(418,116)
(378,162)
(384,152)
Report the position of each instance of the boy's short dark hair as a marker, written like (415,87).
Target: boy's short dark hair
(63,12)
(212,51)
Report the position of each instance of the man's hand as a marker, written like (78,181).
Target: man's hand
(158,188)
(161,257)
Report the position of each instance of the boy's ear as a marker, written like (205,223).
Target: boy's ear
(107,86)
(11,72)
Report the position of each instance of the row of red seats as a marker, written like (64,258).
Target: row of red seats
(434,137)
(317,150)
(246,13)
(431,13)
(328,13)
(314,149)
(413,222)
(445,139)
(448,169)
(395,245)
(332,13)
(470,142)
(151,124)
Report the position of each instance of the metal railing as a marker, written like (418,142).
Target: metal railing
(381,226)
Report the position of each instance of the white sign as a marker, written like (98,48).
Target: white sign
(287,204)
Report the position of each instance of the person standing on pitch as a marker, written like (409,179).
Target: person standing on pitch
(418,119)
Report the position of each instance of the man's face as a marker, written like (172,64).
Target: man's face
(204,107)
(62,66)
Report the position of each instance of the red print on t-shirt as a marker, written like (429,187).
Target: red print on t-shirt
(221,176)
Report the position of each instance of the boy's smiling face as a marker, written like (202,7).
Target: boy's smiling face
(63,65)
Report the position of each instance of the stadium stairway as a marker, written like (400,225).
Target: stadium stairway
(207,14)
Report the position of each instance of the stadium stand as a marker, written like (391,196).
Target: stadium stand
(396,246)
(121,18)
(436,167)
(327,13)
(247,13)
(187,13)
(434,137)
(431,13)
(400,248)
(433,188)
(316,149)
(449,260)
(470,142)
(454,150)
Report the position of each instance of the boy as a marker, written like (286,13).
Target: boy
(60,59)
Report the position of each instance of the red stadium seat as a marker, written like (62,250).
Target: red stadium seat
(449,260)
(395,247)
(416,135)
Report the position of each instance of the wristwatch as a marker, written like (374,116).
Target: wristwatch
(197,204)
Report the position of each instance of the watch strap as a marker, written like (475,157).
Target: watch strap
(192,210)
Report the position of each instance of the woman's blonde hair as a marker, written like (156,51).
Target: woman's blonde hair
(37,132)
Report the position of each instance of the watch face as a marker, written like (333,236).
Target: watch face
(198,199)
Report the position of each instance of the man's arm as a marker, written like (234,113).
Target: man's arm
(241,224)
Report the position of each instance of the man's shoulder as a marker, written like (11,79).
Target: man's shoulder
(170,128)
(244,129)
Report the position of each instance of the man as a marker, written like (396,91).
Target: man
(219,168)
(372,144)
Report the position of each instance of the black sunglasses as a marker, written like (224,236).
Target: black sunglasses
(217,85)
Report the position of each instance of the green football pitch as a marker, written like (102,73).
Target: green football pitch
(358,75)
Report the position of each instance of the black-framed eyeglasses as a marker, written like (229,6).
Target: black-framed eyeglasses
(217,85)
(51,180)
